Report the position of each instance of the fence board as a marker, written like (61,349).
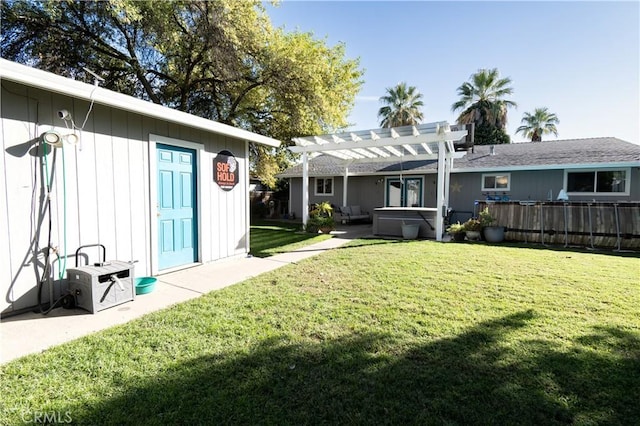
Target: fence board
(591,224)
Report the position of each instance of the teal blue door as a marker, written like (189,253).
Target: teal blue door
(177,220)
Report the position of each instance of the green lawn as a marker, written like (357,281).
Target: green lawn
(273,237)
(379,332)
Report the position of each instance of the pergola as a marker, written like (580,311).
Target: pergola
(427,141)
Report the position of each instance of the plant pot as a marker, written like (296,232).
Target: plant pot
(473,235)
(410,231)
(326,229)
(493,234)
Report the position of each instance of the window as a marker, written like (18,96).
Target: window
(601,182)
(324,186)
(495,182)
(404,193)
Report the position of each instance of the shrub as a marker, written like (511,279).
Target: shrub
(455,228)
(485,217)
(472,225)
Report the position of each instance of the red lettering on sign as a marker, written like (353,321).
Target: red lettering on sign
(225,177)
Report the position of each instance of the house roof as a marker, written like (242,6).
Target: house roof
(559,154)
(48,81)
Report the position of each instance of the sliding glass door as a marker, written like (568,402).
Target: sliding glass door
(405,192)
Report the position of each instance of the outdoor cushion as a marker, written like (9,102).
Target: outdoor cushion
(355,210)
(345,210)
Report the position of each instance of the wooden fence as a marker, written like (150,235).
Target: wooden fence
(591,224)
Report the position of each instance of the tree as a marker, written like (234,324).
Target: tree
(541,122)
(219,60)
(402,106)
(482,101)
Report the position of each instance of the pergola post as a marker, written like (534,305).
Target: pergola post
(305,188)
(440,191)
(447,178)
(344,185)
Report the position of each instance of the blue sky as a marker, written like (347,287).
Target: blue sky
(579,59)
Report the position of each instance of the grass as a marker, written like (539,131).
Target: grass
(379,332)
(272,237)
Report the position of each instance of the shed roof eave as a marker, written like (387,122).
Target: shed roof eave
(48,81)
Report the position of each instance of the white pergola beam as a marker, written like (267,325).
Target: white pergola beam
(380,152)
(365,153)
(381,142)
(410,149)
(393,151)
(339,154)
(426,148)
(392,159)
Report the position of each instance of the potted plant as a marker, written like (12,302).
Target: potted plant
(410,231)
(321,218)
(457,231)
(472,228)
(492,233)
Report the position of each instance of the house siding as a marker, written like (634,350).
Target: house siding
(108,189)
(529,185)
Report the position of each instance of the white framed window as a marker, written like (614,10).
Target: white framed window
(496,182)
(597,182)
(324,186)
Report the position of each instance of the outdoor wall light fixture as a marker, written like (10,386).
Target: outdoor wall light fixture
(53,138)
(379,181)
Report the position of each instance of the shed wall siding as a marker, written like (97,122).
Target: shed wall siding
(107,190)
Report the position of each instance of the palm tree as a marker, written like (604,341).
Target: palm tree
(482,102)
(402,106)
(541,122)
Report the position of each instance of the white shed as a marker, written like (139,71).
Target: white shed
(153,185)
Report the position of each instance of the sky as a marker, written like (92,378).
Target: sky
(581,60)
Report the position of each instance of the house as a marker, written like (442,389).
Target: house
(83,165)
(601,169)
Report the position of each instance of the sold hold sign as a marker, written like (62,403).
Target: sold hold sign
(225,170)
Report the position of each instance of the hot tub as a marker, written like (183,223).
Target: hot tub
(388,221)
